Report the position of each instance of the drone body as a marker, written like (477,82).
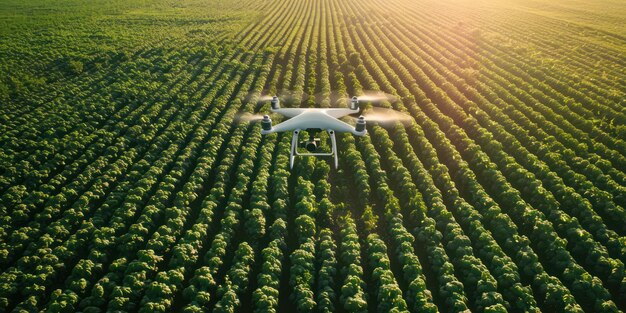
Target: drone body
(313,120)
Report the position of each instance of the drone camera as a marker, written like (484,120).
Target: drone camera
(360,124)
(354,103)
(311,144)
(266,123)
(275,103)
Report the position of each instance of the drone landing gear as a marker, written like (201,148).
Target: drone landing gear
(294,148)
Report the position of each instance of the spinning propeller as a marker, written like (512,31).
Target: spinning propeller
(287,97)
(370,96)
(383,116)
(248,117)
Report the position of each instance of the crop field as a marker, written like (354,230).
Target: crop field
(127,182)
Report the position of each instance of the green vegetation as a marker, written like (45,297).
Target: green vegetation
(126,185)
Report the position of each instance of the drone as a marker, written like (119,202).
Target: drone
(315,120)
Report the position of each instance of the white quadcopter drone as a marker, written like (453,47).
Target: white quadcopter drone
(314,120)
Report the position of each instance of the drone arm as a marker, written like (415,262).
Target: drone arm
(340,112)
(343,127)
(288,125)
(314,120)
(288,112)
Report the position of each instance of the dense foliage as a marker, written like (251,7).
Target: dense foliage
(127,185)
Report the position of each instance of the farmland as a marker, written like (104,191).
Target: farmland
(126,183)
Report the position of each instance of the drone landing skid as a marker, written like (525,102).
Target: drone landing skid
(294,148)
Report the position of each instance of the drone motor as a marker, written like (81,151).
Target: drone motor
(360,124)
(275,103)
(354,103)
(266,123)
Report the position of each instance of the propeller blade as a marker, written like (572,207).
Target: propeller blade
(243,117)
(265,98)
(376,96)
(259,98)
(365,96)
(385,116)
